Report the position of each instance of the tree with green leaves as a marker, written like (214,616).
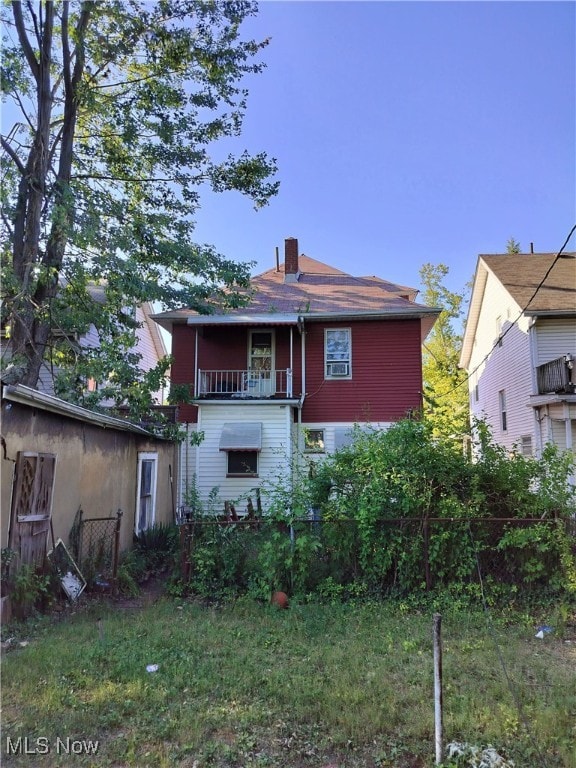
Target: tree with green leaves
(445,391)
(116,106)
(513,246)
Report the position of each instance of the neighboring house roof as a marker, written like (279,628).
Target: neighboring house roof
(316,291)
(541,284)
(18,393)
(155,334)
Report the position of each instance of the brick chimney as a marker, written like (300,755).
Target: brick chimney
(291,271)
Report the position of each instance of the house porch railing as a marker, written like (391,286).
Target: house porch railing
(242,384)
(555,376)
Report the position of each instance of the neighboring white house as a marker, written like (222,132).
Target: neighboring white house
(150,345)
(519,349)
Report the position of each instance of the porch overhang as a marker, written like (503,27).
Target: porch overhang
(241,436)
(552,398)
(271,319)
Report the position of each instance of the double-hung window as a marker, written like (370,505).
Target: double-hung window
(503,410)
(338,353)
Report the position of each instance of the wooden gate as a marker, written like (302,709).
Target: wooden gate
(31,509)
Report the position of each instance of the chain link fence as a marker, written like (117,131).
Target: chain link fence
(390,555)
(94,543)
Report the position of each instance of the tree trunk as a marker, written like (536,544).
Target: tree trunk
(36,270)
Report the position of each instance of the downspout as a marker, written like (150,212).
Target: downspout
(569,441)
(568,426)
(198,417)
(196,382)
(538,419)
(302,386)
(303,355)
(291,348)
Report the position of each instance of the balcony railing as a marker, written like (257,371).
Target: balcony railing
(555,376)
(244,384)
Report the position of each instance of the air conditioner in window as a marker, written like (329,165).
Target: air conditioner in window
(338,369)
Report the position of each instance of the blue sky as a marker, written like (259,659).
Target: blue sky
(407,132)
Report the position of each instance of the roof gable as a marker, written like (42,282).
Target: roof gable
(539,283)
(521,275)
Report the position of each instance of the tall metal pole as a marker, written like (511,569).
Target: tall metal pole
(438,735)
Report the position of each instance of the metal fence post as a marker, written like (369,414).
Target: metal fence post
(116,553)
(438,735)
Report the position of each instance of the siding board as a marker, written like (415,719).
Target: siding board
(386,373)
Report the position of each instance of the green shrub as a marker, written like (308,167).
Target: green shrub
(30,588)
(401,512)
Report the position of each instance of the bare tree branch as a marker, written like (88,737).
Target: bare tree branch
(13,156)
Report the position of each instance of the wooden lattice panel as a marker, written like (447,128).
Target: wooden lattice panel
(25,479)
(32,506)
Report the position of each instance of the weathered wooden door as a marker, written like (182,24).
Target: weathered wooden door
(31,506)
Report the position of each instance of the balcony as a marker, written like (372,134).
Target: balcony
(555,376)
(244,385)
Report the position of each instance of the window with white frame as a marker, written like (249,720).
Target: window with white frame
(314,441)
(503,411)
(338,353)
(146,497)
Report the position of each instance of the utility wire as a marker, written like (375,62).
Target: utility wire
(513,323)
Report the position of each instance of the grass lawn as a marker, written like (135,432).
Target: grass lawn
(246,684)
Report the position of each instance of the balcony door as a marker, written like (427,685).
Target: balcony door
(261,376)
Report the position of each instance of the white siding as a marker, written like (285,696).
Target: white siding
(505,366)
(187,467)
(148,347)
(559,434)
(554,338)
(274,460)
(333,432)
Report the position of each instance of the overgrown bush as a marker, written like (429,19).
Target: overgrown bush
(155,552)
(400,512)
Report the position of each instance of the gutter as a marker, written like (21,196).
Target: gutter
(18,393)
(402,314)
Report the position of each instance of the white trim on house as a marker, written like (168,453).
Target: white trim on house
(146,484)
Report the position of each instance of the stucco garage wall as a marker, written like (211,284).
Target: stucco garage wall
(96,468)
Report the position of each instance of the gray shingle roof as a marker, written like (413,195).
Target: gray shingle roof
(320,290)
(521,274)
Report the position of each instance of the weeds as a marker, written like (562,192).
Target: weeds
(244,685)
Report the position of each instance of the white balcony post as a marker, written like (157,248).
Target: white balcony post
(289,382)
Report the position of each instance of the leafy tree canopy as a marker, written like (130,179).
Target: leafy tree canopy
(118,106)
(445,390)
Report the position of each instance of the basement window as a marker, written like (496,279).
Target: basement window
(314,441)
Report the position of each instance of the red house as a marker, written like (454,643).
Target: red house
(279,383)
